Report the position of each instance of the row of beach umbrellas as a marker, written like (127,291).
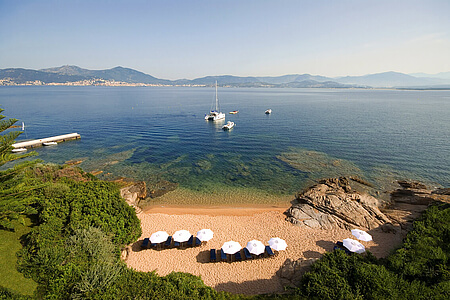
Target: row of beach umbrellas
(254,247)
(181,236)
(355,246)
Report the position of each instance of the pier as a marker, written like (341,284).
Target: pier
(39,143)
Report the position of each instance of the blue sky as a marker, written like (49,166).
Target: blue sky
(189,39)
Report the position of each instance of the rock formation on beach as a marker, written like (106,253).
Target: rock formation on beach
(333,203)
(133,193)
(410,200)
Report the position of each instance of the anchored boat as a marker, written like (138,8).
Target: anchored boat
(228,126)
(215,114)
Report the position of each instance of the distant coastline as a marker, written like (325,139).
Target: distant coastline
(127,84)
(120,76)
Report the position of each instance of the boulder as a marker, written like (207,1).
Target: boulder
(292,271)
(416,193)
(133,193)
(332,203)
(125,252)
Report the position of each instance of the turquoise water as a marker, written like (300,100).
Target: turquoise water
(159,133)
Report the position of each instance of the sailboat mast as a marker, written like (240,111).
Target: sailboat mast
(217,100)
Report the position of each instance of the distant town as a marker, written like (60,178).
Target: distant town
(86,82)
(120,76)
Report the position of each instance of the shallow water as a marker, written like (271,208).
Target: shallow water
(159,134)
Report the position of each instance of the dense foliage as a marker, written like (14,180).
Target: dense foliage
(82,225)
(425,254)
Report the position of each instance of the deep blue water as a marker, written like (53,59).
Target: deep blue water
(159,133)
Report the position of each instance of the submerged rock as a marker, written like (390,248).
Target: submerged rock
(162,187)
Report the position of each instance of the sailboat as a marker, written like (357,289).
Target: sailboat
(215,114)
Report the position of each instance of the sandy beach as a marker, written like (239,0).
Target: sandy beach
(238,223)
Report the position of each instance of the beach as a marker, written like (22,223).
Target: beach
(240,223)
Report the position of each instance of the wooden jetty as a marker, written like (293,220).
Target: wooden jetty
(40,142)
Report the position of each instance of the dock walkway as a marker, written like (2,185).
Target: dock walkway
(38,143)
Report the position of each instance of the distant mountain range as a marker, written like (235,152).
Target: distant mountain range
(73,74)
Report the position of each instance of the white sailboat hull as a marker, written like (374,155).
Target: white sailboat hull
(215,116)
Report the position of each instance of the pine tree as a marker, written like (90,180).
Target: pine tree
(7,140)
(16,190)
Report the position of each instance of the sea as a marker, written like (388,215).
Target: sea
(159,135)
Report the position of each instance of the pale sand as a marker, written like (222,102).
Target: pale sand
(242,224)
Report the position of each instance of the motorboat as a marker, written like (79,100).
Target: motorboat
(215,114)
(234,112)
(18,150)
(269,111)
(49,143)
(228,126)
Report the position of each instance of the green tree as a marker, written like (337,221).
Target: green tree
(15,190)
(7,140)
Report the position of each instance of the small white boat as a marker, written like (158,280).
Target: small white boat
(49,143)
(18,150)
(228,126)
(215,114)
(269,111)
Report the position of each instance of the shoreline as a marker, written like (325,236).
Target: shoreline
(230,197)
(239,209)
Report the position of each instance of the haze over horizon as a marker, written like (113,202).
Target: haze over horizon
(191,39)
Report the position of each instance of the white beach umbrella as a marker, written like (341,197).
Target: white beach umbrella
(361,235)
(181,236)
(277,244)
(205,235)
(255,247)
(353,245)
(231,247)
(159,237)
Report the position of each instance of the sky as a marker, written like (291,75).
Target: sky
(175,39)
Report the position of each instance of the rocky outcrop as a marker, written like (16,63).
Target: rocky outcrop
(416,193)
(124,253)
(410,200)
(332,203)
(133,193)
(292,271)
